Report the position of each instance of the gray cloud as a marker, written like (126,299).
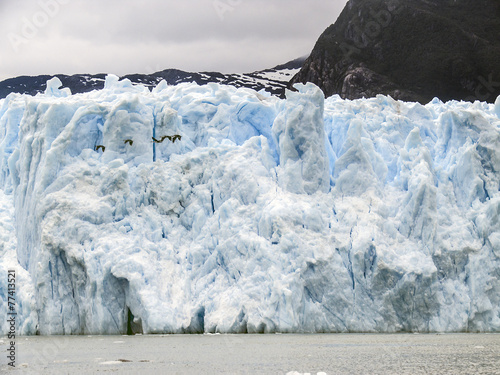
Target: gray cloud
(126,36)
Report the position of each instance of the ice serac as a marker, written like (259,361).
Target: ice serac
(497,106)
(53,86)
(268,215)
(300,134)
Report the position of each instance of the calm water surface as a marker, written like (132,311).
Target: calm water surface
(257,354)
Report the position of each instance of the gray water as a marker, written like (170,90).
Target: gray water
(257,354)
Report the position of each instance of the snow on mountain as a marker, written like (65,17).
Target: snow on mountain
(274,80)
(296,215)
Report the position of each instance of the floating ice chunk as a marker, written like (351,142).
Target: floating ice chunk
(497,106)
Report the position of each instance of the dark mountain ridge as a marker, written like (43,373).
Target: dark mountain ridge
(273,80)
(413,50)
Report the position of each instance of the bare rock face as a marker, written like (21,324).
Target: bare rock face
(412,50)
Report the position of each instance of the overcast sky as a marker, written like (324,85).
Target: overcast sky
(132,36)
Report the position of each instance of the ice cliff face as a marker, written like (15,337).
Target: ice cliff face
(297,215)
(300,132)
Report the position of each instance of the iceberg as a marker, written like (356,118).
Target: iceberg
(302,214)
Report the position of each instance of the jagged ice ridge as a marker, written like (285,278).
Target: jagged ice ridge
(270,215)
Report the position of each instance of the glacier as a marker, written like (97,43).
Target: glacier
(302,214)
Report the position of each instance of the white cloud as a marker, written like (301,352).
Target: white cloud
(127,36)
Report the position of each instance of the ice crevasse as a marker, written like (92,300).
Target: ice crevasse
(268,215)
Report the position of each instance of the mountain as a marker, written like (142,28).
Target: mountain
(273,80)
(412,50)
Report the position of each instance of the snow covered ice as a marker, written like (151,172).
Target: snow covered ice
(269,215)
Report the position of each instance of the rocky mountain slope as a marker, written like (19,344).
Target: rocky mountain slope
(412,50)
(274,80)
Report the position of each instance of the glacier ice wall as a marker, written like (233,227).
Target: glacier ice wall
(299,132)
(297,215)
